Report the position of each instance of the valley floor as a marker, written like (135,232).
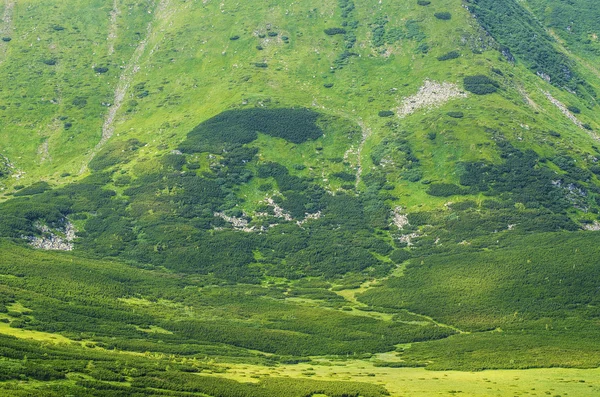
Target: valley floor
(419,382)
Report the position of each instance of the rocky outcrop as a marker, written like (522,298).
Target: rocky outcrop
(54,239)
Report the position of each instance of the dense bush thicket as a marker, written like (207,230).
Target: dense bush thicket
(519,33)
(334,31)
(236,127)
(480,84)
(537,276)
(559,15)
(106,374)
(444,16)
(448,56)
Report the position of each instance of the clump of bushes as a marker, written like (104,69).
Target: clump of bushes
(262,65)
(456,115)
(79,102)
(328,85)
(445,190)
(574,109)
(36,188)
(444,16)
(480,84)
(334,31)
(423,2)
(6,39)
(386,113)
(100,69)
(448,56)
(233,38)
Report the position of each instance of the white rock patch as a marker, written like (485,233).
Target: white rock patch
(431,94)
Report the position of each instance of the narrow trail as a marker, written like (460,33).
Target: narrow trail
(7,26)
(112,29)
(350,296)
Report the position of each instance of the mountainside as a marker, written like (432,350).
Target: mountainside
(299,197)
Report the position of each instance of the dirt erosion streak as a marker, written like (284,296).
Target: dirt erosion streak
(6,27)
(129,72)
(112,29)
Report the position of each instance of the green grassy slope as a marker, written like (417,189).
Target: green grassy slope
(404,183)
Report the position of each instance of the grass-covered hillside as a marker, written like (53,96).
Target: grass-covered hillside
(298,197)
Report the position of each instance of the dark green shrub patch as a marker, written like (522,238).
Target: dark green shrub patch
(480,85)
(241,126)
(448,56)
(456,115)
(445,16)
(385,113)
(446,190)
(36,188)
(334,31)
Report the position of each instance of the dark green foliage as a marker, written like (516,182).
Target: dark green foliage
(574,109)
(400,256)
(560,16)
(480,85)
(423,2)
(385,113)
(262,65)
(448,56)
(328,85)
(49,61)
(100,69)
(233,38)
(522,35)
(525,180)
(445,16)
(174,161)
(536,276)
(36,188)
(456,115)
(6,39)
(235,127)
(345,176)
(446,190)
(334,31)
(79,102)
(272,34)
